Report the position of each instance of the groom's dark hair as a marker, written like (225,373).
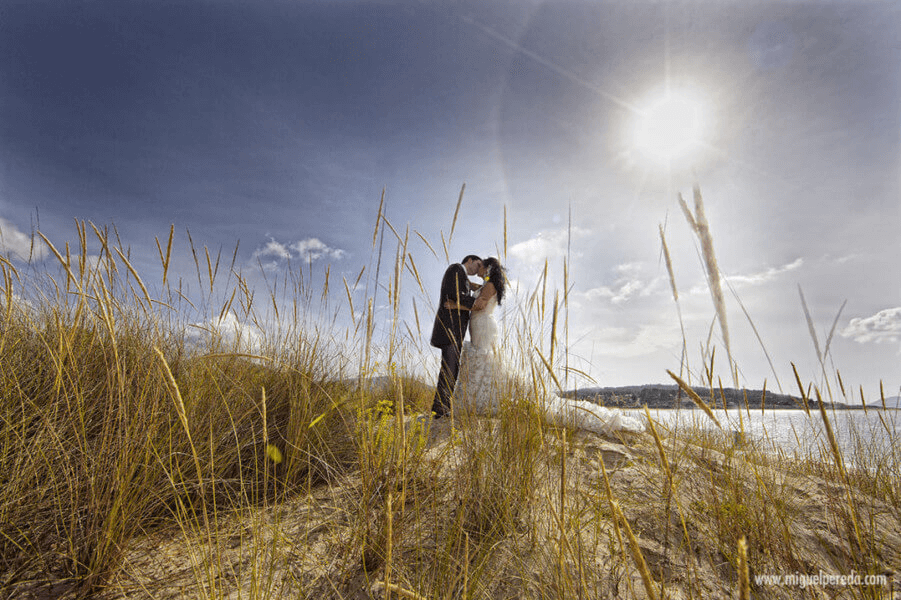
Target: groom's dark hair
(468,258)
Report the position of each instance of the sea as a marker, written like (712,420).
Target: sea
(861,434)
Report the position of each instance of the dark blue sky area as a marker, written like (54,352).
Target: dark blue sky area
(157,111)
(132,107)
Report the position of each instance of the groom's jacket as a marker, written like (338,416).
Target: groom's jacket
(450,325)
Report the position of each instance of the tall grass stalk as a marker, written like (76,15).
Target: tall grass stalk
(744,579)
(700,226)
(637,556)
(693,395)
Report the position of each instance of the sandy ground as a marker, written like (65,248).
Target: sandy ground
(308,546)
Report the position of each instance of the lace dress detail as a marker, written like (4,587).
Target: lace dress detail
(481,372)
(483,376)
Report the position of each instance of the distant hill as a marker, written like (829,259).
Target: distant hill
(654,396)
(671,396)
(893,402)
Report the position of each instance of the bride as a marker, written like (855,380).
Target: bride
(483,375)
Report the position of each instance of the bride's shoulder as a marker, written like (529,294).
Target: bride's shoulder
(489,295)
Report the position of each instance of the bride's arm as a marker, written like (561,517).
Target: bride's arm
(481,302)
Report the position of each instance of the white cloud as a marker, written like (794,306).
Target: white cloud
(617,294)
(93,263)
(629,284)
(855,257)
(884,326)
(228,331)
(631,268)
(752,279)
(19,304)
(17,244)
(767,275)
(547,245)
(273,249)
(314,249)
(274,252)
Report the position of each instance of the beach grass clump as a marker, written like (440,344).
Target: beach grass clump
(115,421)
(80,467)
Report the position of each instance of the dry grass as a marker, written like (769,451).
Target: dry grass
(139,463)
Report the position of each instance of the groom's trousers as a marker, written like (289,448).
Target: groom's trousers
(447,379)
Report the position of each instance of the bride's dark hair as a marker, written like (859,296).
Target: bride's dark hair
(497,275)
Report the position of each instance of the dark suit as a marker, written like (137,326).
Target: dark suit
(448,332)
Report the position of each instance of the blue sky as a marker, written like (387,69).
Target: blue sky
(279,123)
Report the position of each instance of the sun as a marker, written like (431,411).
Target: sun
(671,127)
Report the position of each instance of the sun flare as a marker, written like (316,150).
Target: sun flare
(671,127)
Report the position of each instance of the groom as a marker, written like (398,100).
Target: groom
(450,327)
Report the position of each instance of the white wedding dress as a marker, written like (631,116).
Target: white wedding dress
(484,378)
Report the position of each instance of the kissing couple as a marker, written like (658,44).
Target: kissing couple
(472,373)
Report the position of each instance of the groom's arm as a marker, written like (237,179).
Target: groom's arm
(455,286)
(488,292)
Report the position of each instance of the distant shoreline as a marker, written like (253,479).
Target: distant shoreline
(671,396)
